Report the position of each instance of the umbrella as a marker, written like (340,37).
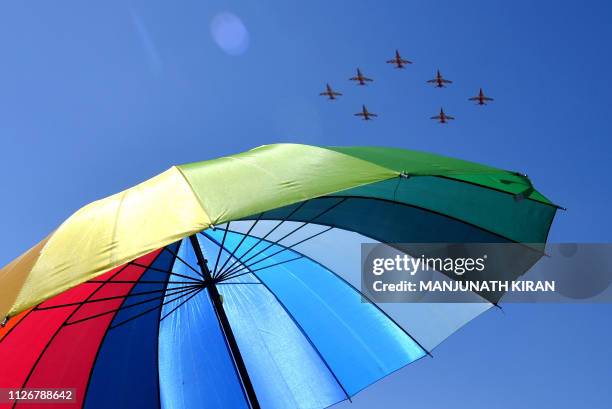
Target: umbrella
(234,282)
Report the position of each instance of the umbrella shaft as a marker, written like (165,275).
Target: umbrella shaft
(225,326)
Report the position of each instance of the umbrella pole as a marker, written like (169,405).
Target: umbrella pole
(225,326)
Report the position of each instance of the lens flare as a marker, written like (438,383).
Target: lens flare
(230,33)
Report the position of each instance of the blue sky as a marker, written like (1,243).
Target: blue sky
(97,97)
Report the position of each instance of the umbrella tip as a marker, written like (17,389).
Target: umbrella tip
(404,175)
(4,321)
(523,174)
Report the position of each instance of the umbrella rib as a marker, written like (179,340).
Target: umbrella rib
(496,304)
(98,300)
(243,262)
(283,249)
(342,200)
(154,308)
(181,304)
(199,273)
(25,382)
(497,190)
(241,241)
(89,377)
(239,259)
(142,282)
(249,271)
(220,249)
(434,212)
(166,272)
(223,283)
(367,298)
(181,291)
(292,318)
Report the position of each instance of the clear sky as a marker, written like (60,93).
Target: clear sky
(97,97)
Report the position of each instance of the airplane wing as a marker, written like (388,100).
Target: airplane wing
(354,79)
(391,61)
(432,81)
(447,81)
(359,114)
(367,79)
(450,117)
(474,99)
(435,117)
(405,62)
(488,99)
(337,93)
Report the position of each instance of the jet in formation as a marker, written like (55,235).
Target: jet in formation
(398,61)
(360,78)
(480,99)
(330,93)
(442,117)
(365,114)
(439,81)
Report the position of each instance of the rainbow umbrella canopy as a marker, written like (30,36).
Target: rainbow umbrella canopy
(234,282)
